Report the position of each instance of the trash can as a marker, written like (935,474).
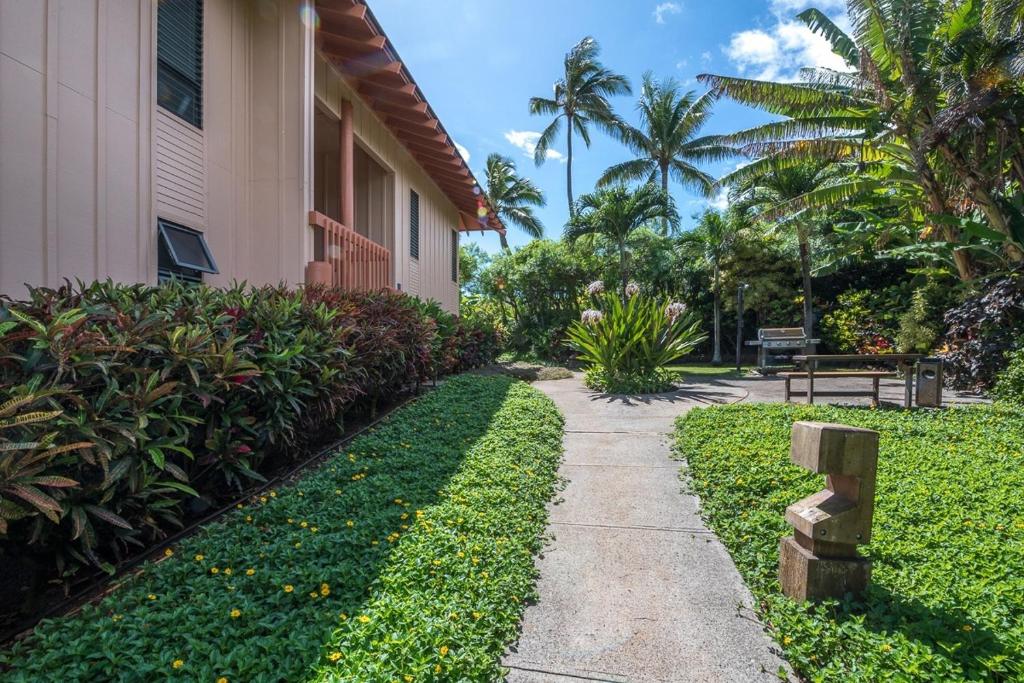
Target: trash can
(929,382)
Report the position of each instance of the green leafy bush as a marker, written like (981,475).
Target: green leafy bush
(627,345)
(408,554)
(1009,387)
(186,396)
(946,602)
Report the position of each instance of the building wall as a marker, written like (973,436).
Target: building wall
(429,277)
(88,161)
(75,127)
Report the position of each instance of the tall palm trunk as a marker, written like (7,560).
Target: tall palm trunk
(624,276)
(664,188)
(504,241)
(716,358)
(805,271)
(568,166)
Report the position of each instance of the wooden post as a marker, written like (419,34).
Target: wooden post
(820,560)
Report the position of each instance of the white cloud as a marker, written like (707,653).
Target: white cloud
(720,201)
(462,150)
(664,8)
(682,63)
(781,51)
(526,140)
(706,57)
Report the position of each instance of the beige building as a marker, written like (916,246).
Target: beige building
(260,140)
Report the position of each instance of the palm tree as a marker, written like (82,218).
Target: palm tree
(513,197)
(666,144)
(768,187)
(924,108)
(715,234)
(581,98)
(616,213)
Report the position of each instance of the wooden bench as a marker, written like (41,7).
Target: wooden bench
(873,375)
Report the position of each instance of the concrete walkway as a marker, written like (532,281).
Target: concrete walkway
(633,586)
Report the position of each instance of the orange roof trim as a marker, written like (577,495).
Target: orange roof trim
(349,36)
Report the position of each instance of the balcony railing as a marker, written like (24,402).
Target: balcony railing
(356,262)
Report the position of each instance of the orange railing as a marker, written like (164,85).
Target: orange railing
(356,262)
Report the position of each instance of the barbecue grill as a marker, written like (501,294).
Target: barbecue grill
(777,346)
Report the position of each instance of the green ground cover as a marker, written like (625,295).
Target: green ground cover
(703,371)
(408,556)
(947,598)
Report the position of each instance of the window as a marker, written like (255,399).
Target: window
(455,256)
(414,224)
(179,59)
(182,253)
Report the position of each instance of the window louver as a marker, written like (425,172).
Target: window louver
(455,256)
(414,224)
(179,50)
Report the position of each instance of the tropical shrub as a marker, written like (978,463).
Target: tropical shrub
(981,331)
(172,400)
(628,344)
(1009,386)
(410,553)
(946,601)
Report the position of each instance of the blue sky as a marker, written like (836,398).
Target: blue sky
(480,61)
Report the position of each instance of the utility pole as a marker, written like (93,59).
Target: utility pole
(739,323)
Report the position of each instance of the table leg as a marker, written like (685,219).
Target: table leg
(810,381)
(908,389)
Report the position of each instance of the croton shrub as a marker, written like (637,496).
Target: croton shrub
(126,410)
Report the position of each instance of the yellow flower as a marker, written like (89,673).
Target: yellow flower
(151,596)
(288,588)
(350,523)
(334,656)
(199,558)
(343,616)
(299,544)
(363,619)
(235,613)
(222,679)
(214,570)
(437,669)
(227,571)
(177,664)
(250,572)
(313,595)
(291,521)
(263,499)
(248,518)
(886,647)
(477,615)
(168,552)
(313,529)
(787,640)
(273,494)
(443,650)
(325,590)
(968,627)
(398,501)
(408,678)
(303,524)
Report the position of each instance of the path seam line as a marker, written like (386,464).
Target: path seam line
(672,529)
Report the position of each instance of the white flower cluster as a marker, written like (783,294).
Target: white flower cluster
(594,288)
(591,316)
(674,310)
(632,289)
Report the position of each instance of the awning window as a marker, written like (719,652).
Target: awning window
(186,248)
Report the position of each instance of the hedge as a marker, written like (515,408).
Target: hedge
(127,409)
(946,600)
(410,553)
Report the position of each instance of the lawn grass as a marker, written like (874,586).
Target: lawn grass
(947,597)
(410,554)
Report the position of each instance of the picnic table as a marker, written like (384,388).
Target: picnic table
(811,362)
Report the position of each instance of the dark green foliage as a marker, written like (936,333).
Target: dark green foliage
(947,596)
(419,536)
(184,397)
(1009,386)
(981,331)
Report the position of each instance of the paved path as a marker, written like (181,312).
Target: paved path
(634,587)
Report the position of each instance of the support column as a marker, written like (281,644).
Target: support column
(346,174)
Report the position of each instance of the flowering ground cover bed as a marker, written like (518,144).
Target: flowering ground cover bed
(408,556)
(947,597)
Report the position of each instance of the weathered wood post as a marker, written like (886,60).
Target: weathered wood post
(820,559)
